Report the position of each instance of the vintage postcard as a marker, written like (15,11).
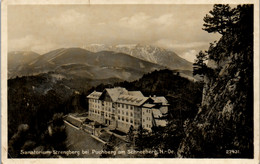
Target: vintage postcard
(130,81)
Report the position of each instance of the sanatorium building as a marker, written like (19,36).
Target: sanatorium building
(119,108)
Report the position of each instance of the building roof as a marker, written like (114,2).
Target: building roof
(94,95)
(131,100)
(114,93)
(160,99)
(121,95)
(136,93)
(148,105)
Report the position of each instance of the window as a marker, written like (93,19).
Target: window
(147,126)
(123,118)
(127,113)
(126,106)
(131,120)
(118,111)
(122,105)
(146,118)
(131,107)
(143,120)
(118,105)
(122,112)
(126,119)
(119,117)
(131,114)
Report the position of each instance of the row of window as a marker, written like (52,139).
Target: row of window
(126,113)
(147,111)
(118,111)
(131,107)
(147,118)
(125,106)
(137,115)
(125,119)
(98,107)
(147,126)
(99,102)
(94,100)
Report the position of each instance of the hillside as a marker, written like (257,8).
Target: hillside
(82,63)
(16,59)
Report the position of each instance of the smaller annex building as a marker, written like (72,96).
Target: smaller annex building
(120,109)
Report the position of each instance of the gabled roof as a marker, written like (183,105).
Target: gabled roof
(115,92)
(94,95)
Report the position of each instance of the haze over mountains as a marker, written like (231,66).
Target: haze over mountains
(97,61)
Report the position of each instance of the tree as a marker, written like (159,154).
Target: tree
(221,19)
(109,146)
(130,134)
(200,67)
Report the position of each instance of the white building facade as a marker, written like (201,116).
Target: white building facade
(121,109)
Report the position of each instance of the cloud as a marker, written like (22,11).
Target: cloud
(167,26)
(190,55)
(69,17)
(136,21)
(173,44)
(143,21)
(30,43)
(163,20)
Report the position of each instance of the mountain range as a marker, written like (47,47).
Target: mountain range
(97,61)
(149,53)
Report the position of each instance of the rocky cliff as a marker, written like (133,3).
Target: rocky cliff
(223,126)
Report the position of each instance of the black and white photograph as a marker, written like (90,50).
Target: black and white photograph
(130,81)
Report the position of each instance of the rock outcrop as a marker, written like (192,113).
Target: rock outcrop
(223,126)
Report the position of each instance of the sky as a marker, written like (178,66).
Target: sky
(42,28)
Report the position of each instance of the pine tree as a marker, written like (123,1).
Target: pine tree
(221,19)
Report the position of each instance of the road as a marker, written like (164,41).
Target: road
(77,140)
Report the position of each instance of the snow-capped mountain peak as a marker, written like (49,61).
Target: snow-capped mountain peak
(149,53)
